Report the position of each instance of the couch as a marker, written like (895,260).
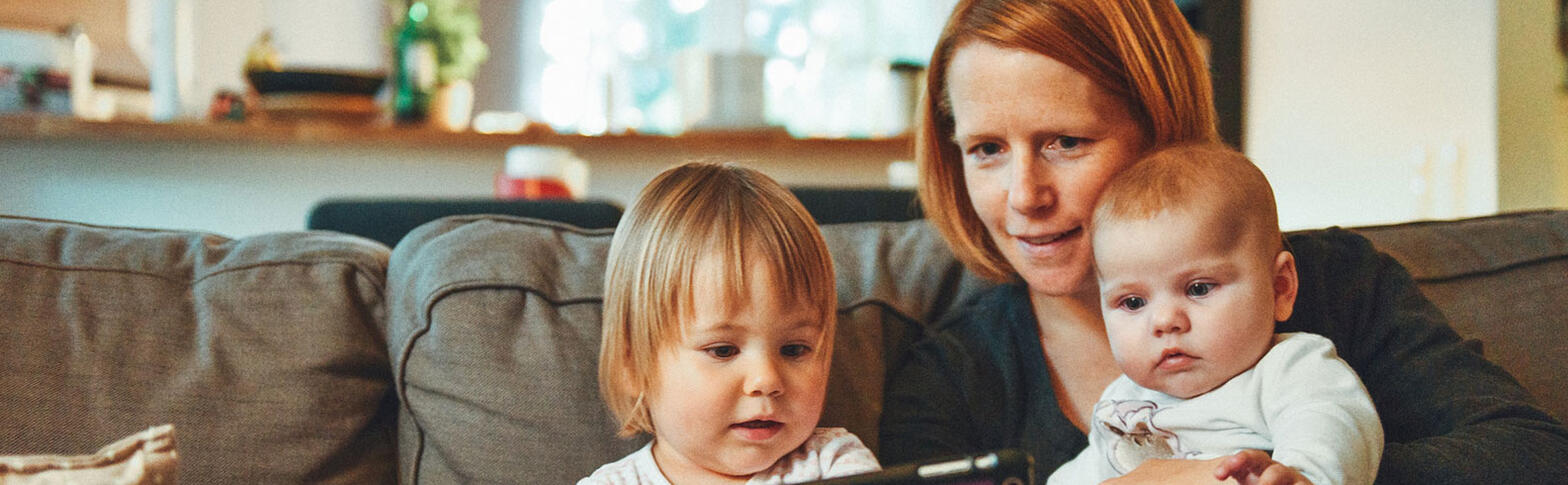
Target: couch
(467,353)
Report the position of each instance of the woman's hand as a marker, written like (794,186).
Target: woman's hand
(1253,467)
(1172,471)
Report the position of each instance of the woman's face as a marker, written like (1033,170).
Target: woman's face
(1039,140)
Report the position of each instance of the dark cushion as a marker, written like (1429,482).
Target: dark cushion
(387,220)
(267,353)
(839,205)
(495,331)
(1502,280)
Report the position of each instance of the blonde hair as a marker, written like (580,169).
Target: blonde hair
(685,215)
(1141,51)
(1211,178)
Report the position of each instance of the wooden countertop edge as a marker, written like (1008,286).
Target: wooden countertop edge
(61,128)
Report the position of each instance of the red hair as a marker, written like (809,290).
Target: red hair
(1142,51)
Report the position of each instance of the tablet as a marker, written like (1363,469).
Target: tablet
(1002,467)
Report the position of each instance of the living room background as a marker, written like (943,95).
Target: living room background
(1361,112)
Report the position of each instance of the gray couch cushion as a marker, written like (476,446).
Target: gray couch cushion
(495,331)
(267,353)
(1502,280)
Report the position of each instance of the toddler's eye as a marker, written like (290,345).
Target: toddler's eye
(1132,303)
(795,350)
(722,351)
(1199,289)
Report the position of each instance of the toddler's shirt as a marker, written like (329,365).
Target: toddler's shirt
(828,453)
(1300,401)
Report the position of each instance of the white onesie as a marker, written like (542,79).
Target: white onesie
(1300,401)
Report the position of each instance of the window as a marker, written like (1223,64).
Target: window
(826,68)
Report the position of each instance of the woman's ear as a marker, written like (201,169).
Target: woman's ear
(1285,285)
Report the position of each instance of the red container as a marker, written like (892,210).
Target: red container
(535,172)
(507,187)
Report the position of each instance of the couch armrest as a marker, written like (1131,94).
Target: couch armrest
(266,353)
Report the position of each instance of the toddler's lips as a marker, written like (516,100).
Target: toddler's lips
(757,429)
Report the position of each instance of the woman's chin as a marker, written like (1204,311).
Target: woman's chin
(1060,282)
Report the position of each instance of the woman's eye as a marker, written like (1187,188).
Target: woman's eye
(1132,303)
(1067,143)
(795,350)
(985,151)
(1199,289)
(988,149)
(723,351)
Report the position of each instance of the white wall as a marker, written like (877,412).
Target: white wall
(1373,111)
(245,188)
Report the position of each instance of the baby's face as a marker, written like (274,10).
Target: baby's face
(1187,304)
(743,386)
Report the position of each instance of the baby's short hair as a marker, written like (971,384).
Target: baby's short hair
(686,214)
(1205,176)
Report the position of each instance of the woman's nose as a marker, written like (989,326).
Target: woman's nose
(762,378)
(1169,319)
(1029,185)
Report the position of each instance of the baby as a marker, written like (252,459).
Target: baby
(1193,275)
(719,305)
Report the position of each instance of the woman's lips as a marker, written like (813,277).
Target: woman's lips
(757,429)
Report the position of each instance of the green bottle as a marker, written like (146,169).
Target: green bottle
(414,73)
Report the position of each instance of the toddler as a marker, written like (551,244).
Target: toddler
(1193,275)
(719,305)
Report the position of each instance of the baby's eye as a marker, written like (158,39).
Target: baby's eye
(795,350)
(722,351)
(1132,303)
(1199,289)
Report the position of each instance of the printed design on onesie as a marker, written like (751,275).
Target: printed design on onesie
(1128,427)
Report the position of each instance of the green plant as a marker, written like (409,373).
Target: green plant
(452,28)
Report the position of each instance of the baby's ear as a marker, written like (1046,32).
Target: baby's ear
(1285,285)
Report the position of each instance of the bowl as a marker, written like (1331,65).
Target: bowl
(315,81)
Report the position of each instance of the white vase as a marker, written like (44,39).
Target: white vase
(452,106)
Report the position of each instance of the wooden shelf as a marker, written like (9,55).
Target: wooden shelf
(60,128)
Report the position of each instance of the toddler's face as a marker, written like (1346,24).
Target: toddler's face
(744,384)
(1187,306)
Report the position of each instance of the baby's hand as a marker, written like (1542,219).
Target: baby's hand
(1254,467)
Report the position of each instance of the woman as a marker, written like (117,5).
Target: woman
(1031,107)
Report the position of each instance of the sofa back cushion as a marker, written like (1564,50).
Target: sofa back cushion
(1502,280)
(267,353)
(495,335)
